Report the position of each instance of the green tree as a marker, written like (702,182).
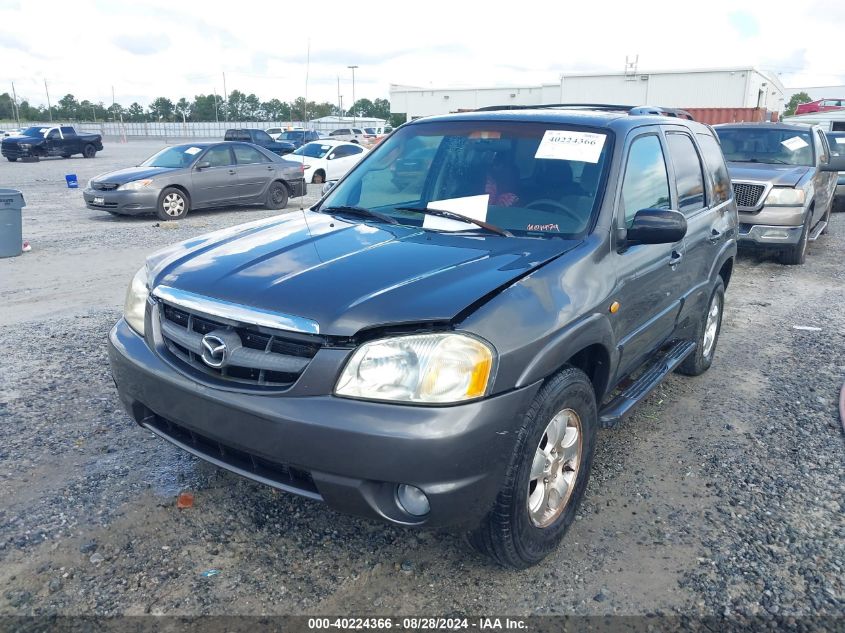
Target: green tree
(203,107)
(183,109)
(362,107)
(794,101)
(381,109)
(68,107)
(7,110)
(162,109)
(275,110)
(135,112)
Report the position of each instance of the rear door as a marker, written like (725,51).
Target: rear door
(649,276)
(254,171)
(217,184)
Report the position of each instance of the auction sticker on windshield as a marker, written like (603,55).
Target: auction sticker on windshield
(193,150)
(794,144)
(584,147)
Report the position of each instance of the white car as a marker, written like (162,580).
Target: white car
(327,159)
(351,134)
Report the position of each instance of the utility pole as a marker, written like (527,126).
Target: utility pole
(307,69)
(113,106)
(216,115)
(49,107)
(339,98)
(353,93)
(225,100)
(15,110)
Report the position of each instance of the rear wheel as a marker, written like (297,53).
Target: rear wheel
(547,475)
(173,204)
(708,335)
(89,151)
(277,196)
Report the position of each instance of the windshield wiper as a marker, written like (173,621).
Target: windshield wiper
(360,212)
(770,161)
(452,215)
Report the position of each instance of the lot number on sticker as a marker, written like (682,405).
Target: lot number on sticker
(795,143)
(840,140)
(193,150)
(565,145)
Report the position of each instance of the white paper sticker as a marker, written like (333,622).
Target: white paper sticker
(564,145)
(474,207)
(193,150)
(795,143)
(840,140)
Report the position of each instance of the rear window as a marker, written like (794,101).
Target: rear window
(236,135)
(714,162)
(689,176)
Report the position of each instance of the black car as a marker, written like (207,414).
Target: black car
(43,141)
(260,138)
(443,353)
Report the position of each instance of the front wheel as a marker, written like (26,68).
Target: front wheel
(547,475)
(277,196)
(173,204)
(66,155)
(708,335)
(89,151)
(797,253)
(11,159)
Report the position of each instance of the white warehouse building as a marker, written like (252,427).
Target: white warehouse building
(706,88)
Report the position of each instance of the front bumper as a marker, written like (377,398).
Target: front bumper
(350,454)
(135,202)
(765,235)
(14,150)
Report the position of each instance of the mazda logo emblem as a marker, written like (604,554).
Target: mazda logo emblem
(213,351)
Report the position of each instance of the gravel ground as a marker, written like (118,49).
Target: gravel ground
(721,494)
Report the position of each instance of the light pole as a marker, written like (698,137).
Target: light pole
(353,93)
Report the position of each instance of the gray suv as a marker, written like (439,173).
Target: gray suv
(784,180)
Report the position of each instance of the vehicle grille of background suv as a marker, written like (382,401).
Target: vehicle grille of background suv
(747,195)
(267,358)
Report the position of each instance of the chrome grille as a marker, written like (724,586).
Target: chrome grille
(747,195)
(256,356)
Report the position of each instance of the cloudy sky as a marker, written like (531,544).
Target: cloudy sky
(152,48)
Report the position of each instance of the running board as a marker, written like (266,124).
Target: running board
(613,412)
(817,230)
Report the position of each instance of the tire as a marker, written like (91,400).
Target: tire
(11,159)
(66,155)
(319,178)
(513,534)
(797,254)
(89,151)
(173,204)
(707,336)
(355,140)
(277,195)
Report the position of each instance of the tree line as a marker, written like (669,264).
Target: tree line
(237,107)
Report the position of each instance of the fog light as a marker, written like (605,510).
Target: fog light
(412,500)
(776,234)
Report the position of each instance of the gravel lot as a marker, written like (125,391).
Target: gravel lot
(721,495)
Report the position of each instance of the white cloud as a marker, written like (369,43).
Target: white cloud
(149,48)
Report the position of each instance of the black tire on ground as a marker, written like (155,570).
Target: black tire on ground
(319,177)
(173,204)
(797,253)
(66,155)
(508,534)
(355,140)
(89,151)
(706,340)
(277,195)
(11,159)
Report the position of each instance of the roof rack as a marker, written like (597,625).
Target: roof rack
(604,107)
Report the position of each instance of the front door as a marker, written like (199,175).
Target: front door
(254,172)
(649,279)
(217,183)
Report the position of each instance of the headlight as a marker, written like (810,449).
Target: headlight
(785,197)
(424,368)
(88,186)
(135,184)
(136,301)
(25,145)
(306,167)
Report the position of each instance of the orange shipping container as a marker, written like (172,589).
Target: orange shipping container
(713,116)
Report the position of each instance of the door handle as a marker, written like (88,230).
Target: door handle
(270,168)
(715,236)
(232,172)
(676,258)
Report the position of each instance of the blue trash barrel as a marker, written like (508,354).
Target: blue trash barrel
(11,237)
(72,183)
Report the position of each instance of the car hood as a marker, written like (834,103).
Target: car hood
(134,173)
(781,175)
(348,276)
(22,139)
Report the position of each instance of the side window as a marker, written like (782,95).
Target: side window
(246,155)
(218,156)
(53,135)
(341,152)
(715,164)
(68,131)
(646,183)
(824,154)
(354,150)
(262,137)
(356,131)
(689,176)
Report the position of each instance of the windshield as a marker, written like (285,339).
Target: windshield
(535,179)
(314,150)
(292,136)
(34,131)
(766,145)
(176,156)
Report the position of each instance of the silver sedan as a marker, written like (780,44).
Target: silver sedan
(197,176)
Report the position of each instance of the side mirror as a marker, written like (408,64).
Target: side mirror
(328,187)
(203,164)
(330,156)
(835,163)
(657,226)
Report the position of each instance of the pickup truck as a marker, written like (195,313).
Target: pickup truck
(444,355)
(784,180)
(260,138)
(42,141)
